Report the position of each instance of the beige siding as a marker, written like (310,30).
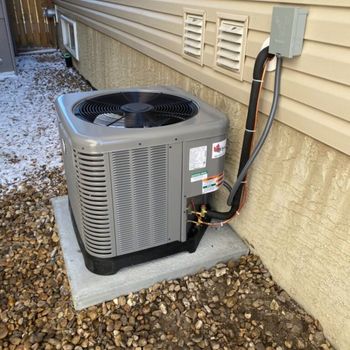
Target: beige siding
(315,87)
(296,216)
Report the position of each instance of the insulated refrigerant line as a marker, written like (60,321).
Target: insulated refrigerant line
(236,191)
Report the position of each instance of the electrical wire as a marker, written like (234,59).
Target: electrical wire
(227,186)
(244,195)
(225,183)
(245,186)
(259,144)
(266,130)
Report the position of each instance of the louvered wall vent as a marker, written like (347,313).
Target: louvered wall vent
(193,35)
(230,44)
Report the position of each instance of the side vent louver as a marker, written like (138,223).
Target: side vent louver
(140,182)
(193,35)
(96,218)
(230,44)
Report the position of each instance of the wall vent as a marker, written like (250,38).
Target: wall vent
(230,44)
(193,35)
(70,35)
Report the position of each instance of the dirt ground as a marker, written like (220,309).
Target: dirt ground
(234,305)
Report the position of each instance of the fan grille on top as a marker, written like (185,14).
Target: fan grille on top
(136,109)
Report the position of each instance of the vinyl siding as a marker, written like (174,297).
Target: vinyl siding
(298,187)
(315,86)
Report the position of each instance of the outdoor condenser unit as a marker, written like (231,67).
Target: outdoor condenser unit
(137,163)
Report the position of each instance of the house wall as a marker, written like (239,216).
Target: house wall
(315,87)
(296,217)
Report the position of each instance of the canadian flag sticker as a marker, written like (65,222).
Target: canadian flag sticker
(218,149)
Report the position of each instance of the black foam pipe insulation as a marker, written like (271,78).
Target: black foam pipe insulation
(250,122)
(247,158)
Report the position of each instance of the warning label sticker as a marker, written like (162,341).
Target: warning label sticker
(218,149)
(212,183)
(199,176)
(198,157)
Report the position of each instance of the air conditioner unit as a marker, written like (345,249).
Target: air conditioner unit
(138,164)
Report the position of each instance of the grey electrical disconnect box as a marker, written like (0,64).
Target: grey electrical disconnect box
(287,31)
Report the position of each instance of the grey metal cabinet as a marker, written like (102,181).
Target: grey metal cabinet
(7,56)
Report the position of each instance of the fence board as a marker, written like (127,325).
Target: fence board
(43,32)
(35,20)
(30,28)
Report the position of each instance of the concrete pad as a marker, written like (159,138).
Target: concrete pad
(87,288)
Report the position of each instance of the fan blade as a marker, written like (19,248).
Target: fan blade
(138,96)
(134,120)
(177,116)
(116,121)
(168,100)
(154,121)
(104,101)
(136,109)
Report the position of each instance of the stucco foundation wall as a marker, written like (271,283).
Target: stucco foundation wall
(297,215)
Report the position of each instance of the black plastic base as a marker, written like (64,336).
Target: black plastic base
(109,266)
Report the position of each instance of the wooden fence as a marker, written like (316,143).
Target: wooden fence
(30,28)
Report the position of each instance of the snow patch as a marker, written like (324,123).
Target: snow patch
(28,131)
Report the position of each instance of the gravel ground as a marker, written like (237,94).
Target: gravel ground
(232,306)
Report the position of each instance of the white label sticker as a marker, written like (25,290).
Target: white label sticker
(199,176)
(209,185)
(198,157)
(218,149)
(212,184)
